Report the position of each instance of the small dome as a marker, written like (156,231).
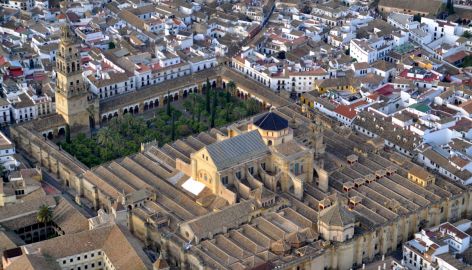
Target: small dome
(271,121)
(337,215)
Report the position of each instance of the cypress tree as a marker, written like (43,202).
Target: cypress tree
(194,99)
(168,108)
(450,7)
(173,126)
(207,96)
(228,97)
(67,133)
(213,111)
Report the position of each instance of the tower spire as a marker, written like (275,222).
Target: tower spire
(66,32)
(72,97)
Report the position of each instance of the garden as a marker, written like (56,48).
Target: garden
(196,113)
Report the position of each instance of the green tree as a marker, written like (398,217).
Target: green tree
(184,130)
(467,61)
(194,104)
(91,112)
(467,34)
(227,97)
(106,137)
(199,114)
(188,104)
(111,45)
(207,96)
(44,214)
(213,110)
(239,112)
(450,6)
(417,17)
(231,87)
(173,126)
(67,133)
(228,111)
(168,107)
(252,107)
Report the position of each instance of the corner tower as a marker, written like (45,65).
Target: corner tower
(72,97)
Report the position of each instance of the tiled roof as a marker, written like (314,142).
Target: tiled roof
(271,121)
(337,215)
(33,262)
(121,248)
(68,218)
(235,150)
(230,217)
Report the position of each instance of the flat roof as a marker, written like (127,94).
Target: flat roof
(193,186)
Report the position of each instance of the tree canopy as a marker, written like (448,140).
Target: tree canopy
(123,136)
(44,214)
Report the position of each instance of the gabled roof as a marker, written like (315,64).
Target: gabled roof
(271,121)
(236,150)
(337,215)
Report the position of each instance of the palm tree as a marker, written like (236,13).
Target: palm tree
(105,136)
(44,214)
(231,86)
(91,112)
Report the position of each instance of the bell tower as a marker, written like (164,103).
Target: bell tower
(72,97)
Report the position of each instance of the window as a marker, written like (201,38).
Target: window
(224,180)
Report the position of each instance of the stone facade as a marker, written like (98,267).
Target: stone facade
(73,101)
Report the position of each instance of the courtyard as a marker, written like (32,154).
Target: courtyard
(196,112)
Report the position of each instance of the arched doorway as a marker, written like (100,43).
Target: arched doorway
(50,135)
(125,111)
(213,85)
(278,186)
(61,132)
